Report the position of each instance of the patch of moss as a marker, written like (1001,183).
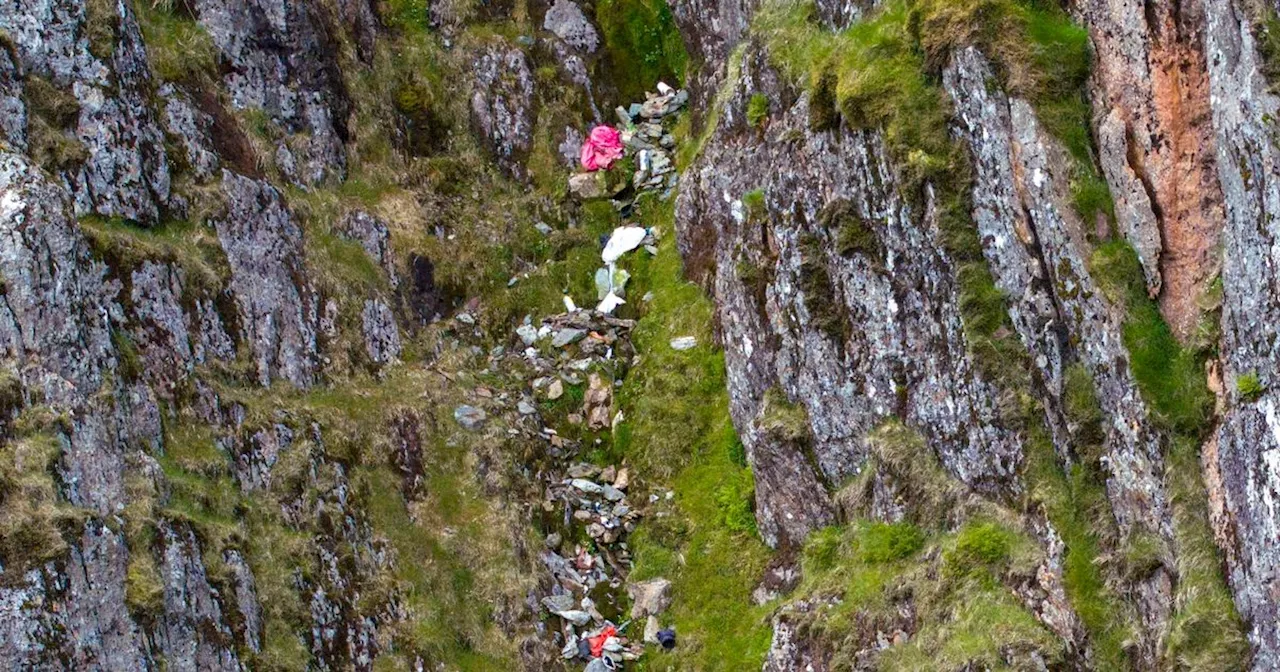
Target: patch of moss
(757,109)
(1249,387)
(1206,632)
(31,515)
(100,25)
(54,113)
(823,113)
(782,418)
(980,545)
(915,468)
(426,131)
(853,234)
(1084,414)
(826,312)
(143,586)
(642,44)
(962,620)
(127,358)
(193,248)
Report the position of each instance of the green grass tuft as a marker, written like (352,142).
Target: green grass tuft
(1170,376)
(887,542)
(180,50)
(642,44)
(757,109)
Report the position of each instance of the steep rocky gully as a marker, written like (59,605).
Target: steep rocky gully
(949,342)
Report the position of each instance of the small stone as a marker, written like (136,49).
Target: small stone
(555,390)
(566,337)
(586,486)
(526,408)
(558,603)
(570,24)
(527,333)
(583,470)
(613,494)
(469,417)
(623,479)
(575,616)
(651,628)
(684,343)
(553,541)
(595,530)
(466,318)
(609,473)
(589,186)
(582,516)
(649,597)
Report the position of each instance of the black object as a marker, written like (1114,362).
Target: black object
(584,649)
(667,638)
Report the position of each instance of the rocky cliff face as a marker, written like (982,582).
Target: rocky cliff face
(992,309)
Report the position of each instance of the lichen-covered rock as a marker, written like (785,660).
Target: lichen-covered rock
(1248,447)
(789,294)
(72,615)
(162,335)
(1037,247)
(1038,251)
(567,21)
(280,58)
(374,236)
(381,335)
(246,600)
(502,104)
(1156,144)
(278,308)
(194,636)
(125,172)
(193,128)
(13,111)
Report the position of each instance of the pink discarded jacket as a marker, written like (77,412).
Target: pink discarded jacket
(602,148)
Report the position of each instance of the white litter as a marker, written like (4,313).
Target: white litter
(610,303)
(623,240)
(569,305)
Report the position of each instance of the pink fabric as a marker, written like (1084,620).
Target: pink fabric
(602,148)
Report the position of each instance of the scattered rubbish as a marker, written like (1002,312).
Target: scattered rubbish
(602,147)
(469,417)
(684,343)
(590,519)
